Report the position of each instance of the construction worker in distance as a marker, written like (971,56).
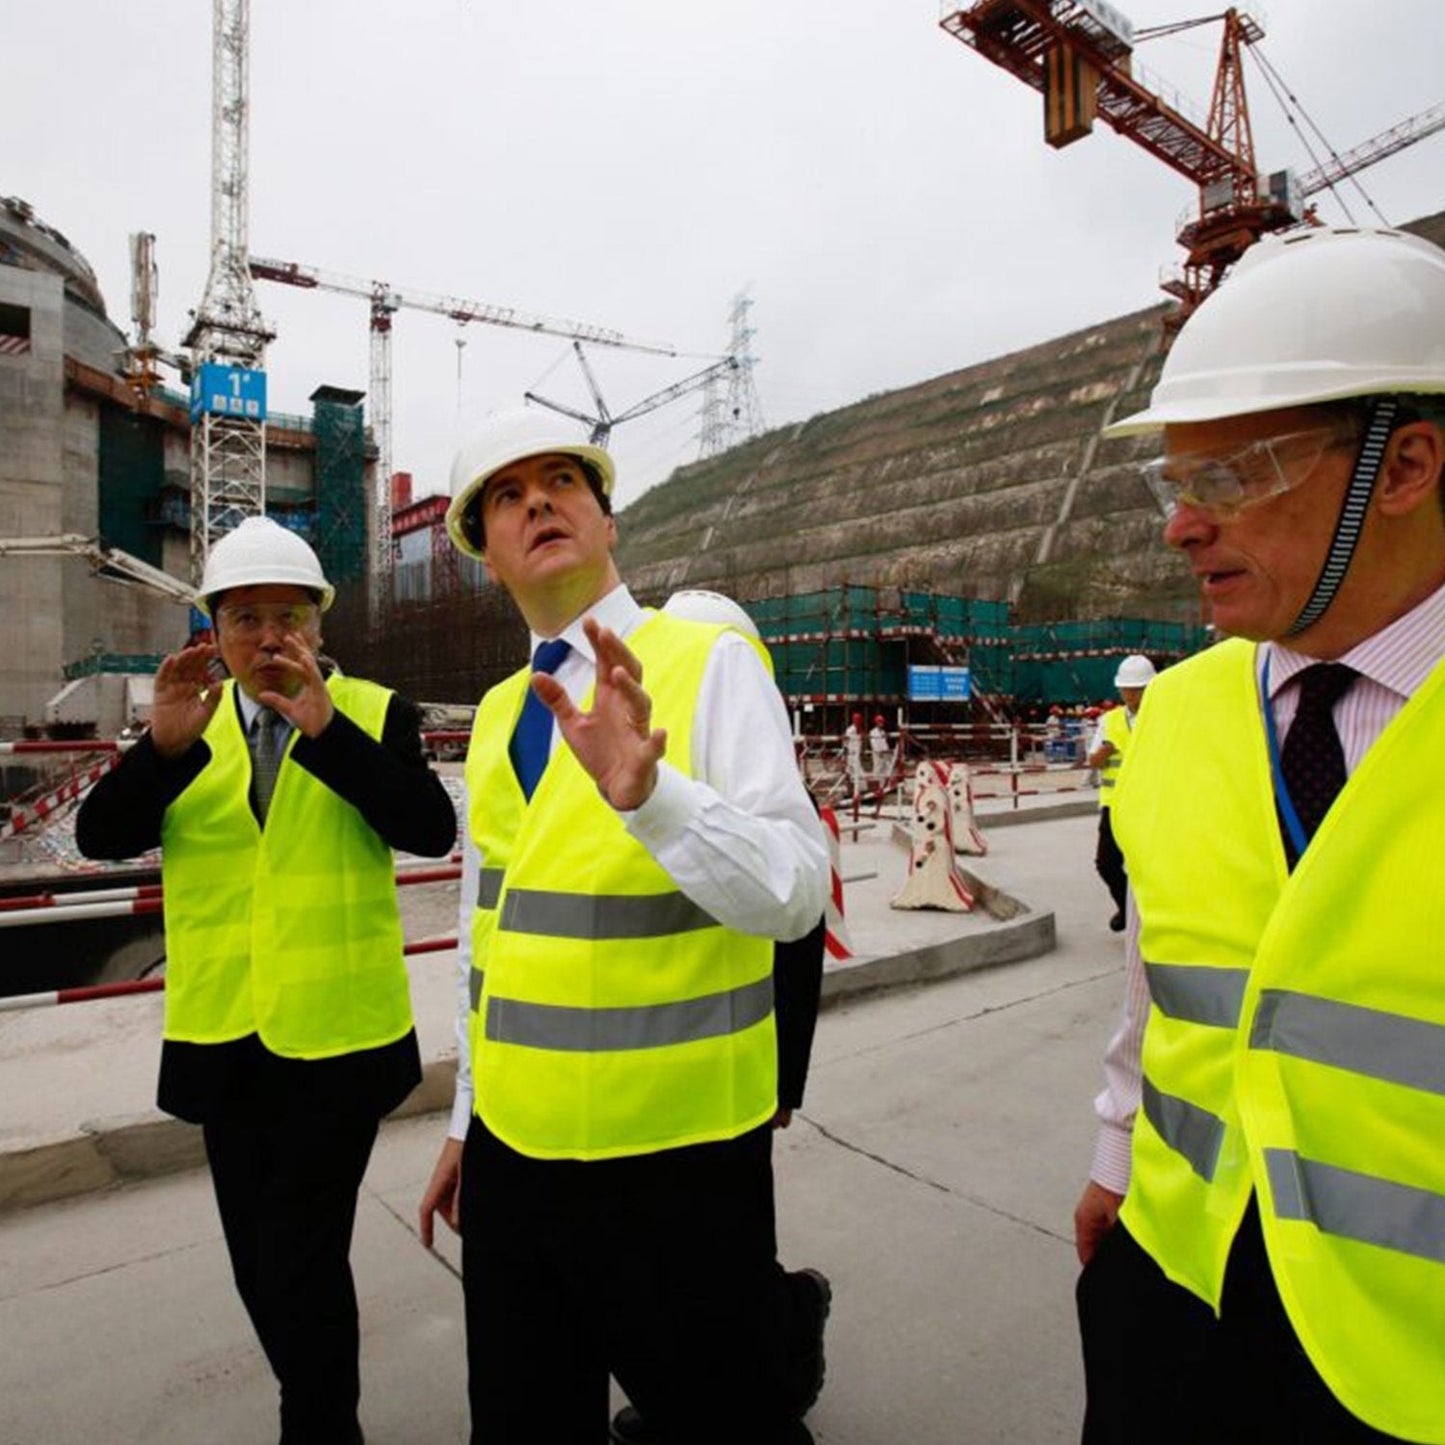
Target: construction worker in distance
(277,796)
(880,755)
(1106,753)
(638,837)
(853,753)
(797,989)
(1264,1228)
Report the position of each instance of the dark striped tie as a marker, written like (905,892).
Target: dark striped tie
(266,758)
(1312,759)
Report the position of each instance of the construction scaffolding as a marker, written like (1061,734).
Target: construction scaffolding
(340,484)
(851,648)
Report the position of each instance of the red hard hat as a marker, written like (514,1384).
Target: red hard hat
(857,717)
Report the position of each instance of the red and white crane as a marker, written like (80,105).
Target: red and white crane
(1080,54)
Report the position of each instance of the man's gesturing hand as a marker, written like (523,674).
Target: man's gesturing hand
(615,742)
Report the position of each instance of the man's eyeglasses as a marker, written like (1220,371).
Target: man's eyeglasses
(1225,486)
(252,619)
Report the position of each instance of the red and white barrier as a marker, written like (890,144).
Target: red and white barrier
(88,994)
(68,745)
(835,928)
(145,898)
(67,792)
(1020,770)
(933,878)
(966,837)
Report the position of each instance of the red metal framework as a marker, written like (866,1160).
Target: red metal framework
(1021,35)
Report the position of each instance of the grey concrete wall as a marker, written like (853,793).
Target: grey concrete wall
(32,492)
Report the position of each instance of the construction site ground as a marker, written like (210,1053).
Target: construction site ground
(931,1174)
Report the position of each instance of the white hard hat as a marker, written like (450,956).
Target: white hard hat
(1135,671)
(508,437)
(1318,315)
(257,551)
(696,605)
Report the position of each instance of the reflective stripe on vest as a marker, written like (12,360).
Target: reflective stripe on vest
(291,932)
(1197,995)
(1366,1041)
(489,887)
(1117,730)
(582,915)
(1357,1206)
(648,1026)
(1299,1053)
(611,1015)
(1186,1128)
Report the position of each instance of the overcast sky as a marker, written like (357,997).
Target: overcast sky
(883,193)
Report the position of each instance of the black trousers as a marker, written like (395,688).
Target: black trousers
(286,1175)
(1109,861)
(659,1269)
(1159,1365)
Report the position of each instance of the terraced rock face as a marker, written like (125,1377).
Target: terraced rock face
(988,482)
(985,481)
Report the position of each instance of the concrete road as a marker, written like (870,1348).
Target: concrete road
(931,1175)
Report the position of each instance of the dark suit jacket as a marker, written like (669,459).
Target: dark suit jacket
(391,786)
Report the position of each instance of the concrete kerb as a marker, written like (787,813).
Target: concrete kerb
(119,1150)
(124,1149)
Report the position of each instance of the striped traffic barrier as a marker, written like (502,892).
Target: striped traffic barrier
(91,992)
(146,898)
(67,792)
(835,928)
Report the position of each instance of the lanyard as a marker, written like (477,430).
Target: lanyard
(1281,792)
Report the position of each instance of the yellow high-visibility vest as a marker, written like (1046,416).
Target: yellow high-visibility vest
(1295,1046)
(290,932)
(611,1015)
(1118,729)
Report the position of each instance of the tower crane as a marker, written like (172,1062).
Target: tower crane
(1080,55)
(603,423)
(385,301)
(228,337)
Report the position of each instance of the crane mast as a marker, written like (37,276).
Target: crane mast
(228,337)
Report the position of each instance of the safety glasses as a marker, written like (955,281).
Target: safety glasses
(251,619)
(1225,486)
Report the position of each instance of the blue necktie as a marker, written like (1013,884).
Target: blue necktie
(532,740)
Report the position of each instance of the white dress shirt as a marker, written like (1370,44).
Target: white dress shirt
(1392,665)
(739,837)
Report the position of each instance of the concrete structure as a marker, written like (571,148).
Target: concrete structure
(83,452)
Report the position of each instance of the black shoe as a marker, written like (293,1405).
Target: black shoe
(1116,923)
(629,1428)
(815,1299)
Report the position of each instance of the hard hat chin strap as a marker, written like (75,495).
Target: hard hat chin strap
(1352,513)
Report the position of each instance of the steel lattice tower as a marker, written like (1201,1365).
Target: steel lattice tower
(732,414)
(228,337)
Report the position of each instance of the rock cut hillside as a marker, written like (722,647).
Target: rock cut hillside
(992,481)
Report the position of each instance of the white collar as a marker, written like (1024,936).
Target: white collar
(618,610)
